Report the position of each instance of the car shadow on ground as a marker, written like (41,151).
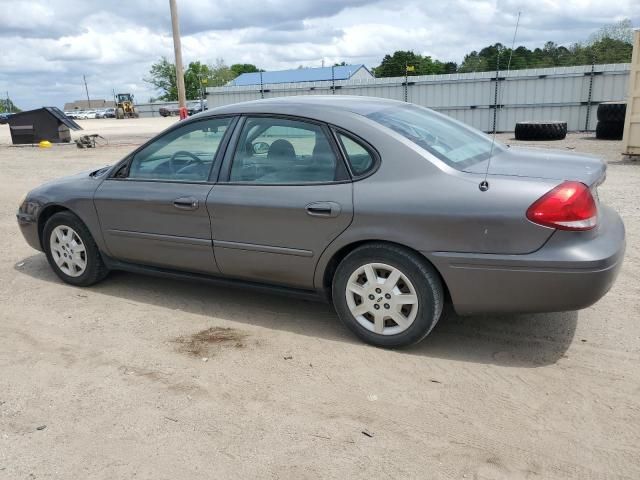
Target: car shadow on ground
(532,340)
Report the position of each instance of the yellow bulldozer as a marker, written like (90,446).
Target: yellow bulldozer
(125,107)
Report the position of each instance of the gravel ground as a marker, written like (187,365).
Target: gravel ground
(112,382)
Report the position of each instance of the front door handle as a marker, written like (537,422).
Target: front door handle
(323,209)
(186,203)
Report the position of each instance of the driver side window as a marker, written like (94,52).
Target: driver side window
(184,154)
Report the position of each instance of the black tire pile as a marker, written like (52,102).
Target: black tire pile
(541,130)
(611,120)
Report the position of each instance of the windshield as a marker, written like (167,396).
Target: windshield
(449,140)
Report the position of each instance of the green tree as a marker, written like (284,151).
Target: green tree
(162,76)
(6,105)
(610,44)
(609,50)
(240,68)
(197,76)
(395,65)
(221,74)
(472,62)
(448,67)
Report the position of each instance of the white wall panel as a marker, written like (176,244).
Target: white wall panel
(535,94)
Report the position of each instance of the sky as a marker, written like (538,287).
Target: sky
(46,46)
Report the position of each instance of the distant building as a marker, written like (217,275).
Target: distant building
(342,72)
(84,104)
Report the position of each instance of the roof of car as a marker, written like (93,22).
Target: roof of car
(351,103)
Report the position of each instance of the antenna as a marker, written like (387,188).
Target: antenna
(484,184)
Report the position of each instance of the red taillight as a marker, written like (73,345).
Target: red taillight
(569,206)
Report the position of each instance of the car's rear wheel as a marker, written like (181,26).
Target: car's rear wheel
(71,250)
(388,296)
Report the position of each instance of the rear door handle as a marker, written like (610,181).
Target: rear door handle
(186,203)
(323,209)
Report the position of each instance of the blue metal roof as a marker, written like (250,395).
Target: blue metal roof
(343,72)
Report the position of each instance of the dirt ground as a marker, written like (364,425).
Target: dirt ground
(150,378)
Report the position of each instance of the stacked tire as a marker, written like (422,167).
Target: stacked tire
(611,120)
(541,130)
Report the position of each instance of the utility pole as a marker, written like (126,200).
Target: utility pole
(86,89)
(175,26)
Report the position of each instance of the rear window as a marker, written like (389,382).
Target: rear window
(449,140)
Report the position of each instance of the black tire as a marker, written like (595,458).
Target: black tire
(418,271)
(95,269)
(612,111)
(540,130)
(610,130)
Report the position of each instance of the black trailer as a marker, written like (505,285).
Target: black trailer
(46,123)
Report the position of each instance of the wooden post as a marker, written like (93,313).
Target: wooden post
(631,136)
(177,48)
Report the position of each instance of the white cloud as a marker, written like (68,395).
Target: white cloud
(47,45)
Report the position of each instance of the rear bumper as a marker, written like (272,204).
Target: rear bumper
(573,270)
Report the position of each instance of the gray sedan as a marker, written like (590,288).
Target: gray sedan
(387,209)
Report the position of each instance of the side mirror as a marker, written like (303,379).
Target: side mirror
(260,148)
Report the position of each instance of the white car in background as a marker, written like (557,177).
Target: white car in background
(90,114)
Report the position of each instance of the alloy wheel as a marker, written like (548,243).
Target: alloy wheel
(381,298)
(68,251)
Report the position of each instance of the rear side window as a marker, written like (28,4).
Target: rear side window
(283,151)
(359,157)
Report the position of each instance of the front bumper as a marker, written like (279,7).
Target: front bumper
(28,223)
(573,270)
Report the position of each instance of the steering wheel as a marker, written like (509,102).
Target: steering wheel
(192,159)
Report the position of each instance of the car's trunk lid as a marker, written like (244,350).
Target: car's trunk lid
(543,163)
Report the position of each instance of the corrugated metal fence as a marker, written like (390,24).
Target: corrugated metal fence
(571,94)
(146,110)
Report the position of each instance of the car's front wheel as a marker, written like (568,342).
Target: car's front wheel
(387,295)
(71,250)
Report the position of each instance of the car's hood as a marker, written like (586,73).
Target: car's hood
(83,180)
(543,163)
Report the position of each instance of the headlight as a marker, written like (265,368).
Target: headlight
(22,199)
(27,205)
